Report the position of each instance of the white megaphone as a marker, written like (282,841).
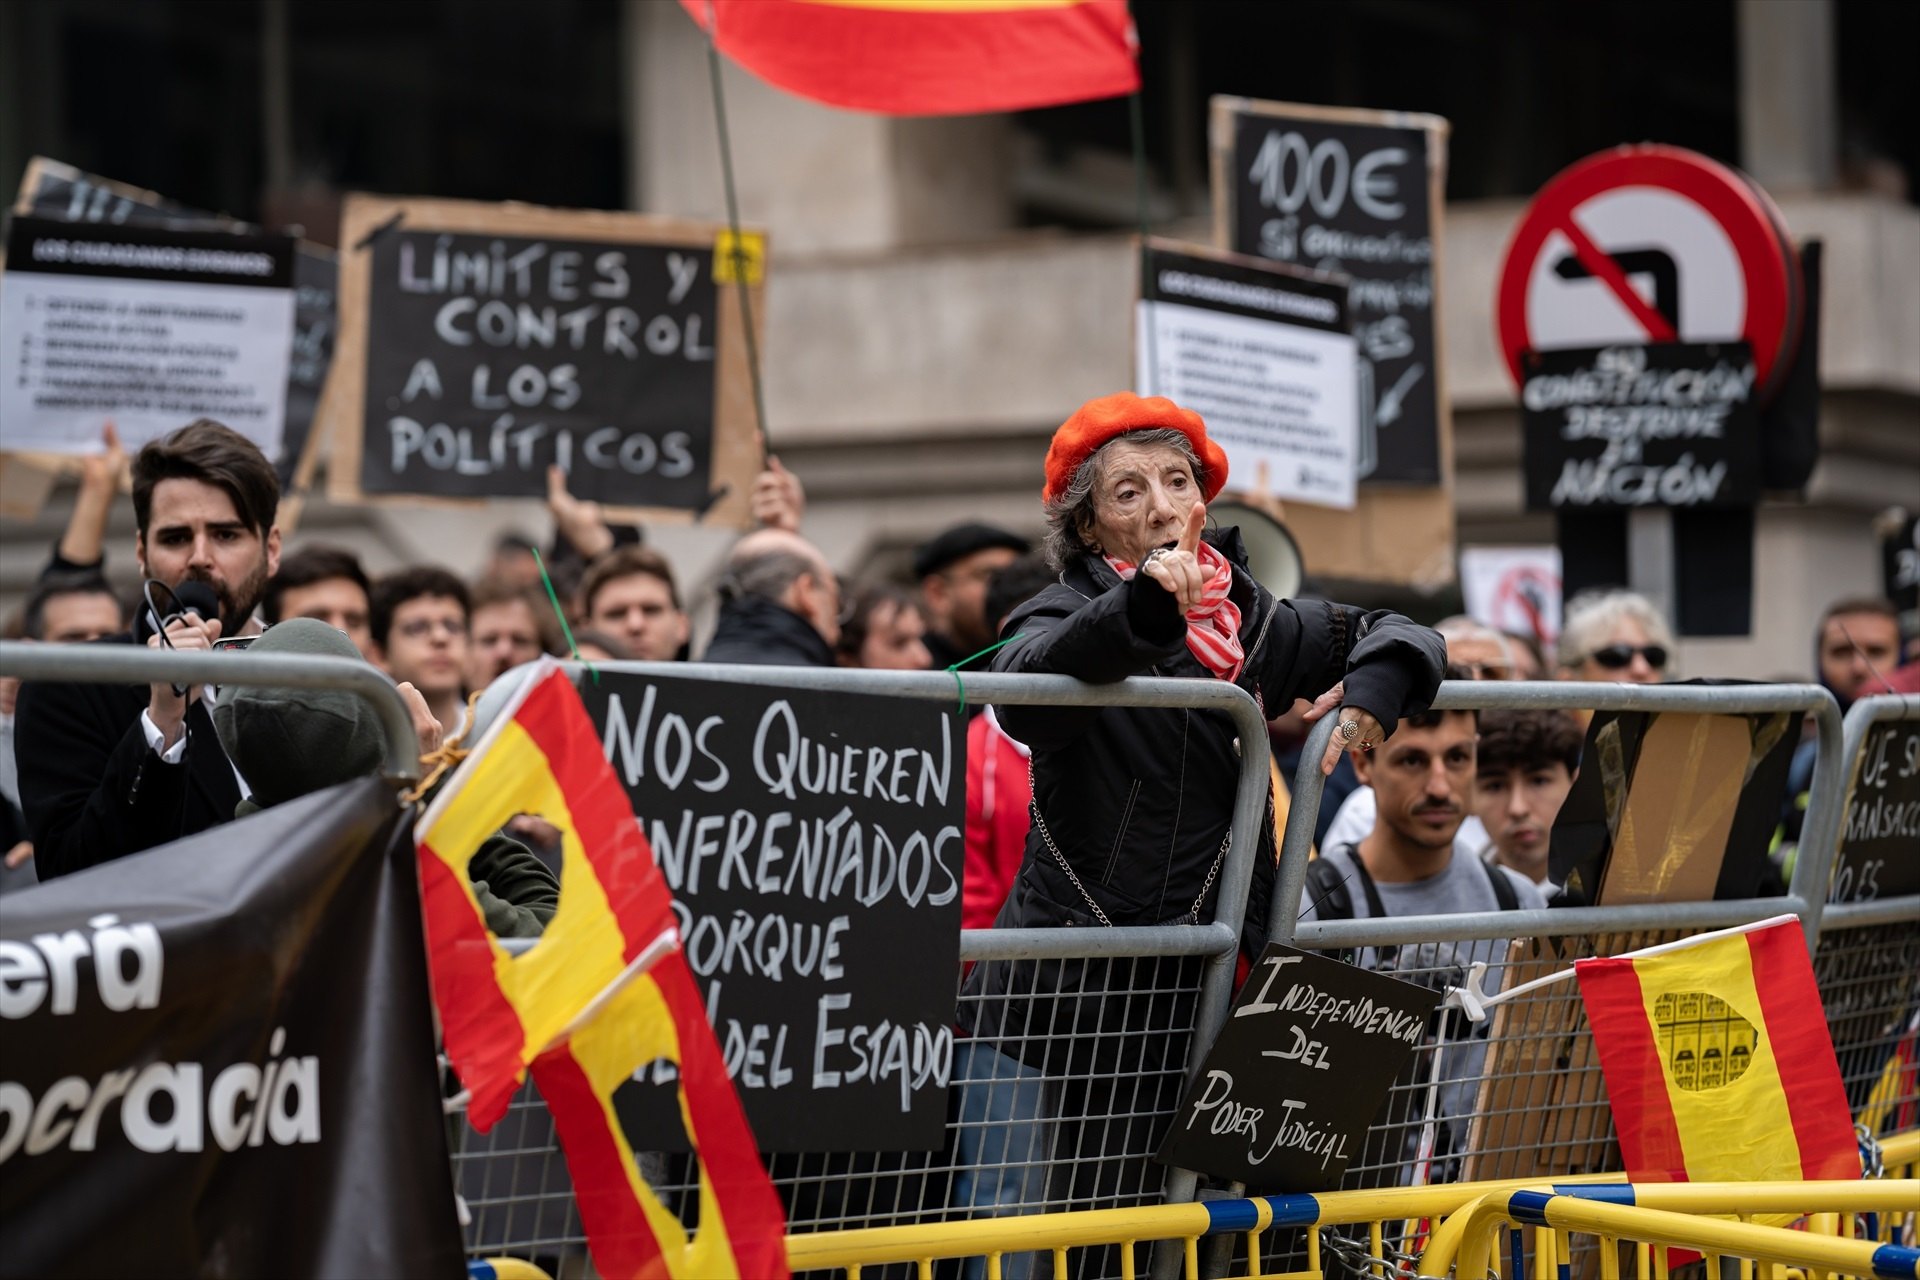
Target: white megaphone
(1273,557)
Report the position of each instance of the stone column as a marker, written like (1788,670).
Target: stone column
(1789,106)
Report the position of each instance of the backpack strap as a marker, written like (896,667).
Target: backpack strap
(1503,891)
(1327,891)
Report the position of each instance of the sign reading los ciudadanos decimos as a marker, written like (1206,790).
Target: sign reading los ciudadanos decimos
(814,845)
(186,1085)
(482,344)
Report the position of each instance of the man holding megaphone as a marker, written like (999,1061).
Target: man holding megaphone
(108,770)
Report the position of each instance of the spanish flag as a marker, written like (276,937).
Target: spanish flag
(1718,1061)
(930,57)
(742,1231)
(498,1011)
(604,993)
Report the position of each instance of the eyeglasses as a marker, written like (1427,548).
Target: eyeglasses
(1618,657)
(415,628)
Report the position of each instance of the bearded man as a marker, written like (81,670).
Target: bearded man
(109,770)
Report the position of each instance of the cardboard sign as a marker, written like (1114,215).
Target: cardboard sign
(151,327)
(1353,196)
(813,843)
(481,344)
(1879,855)
(51,189)
(1672,807)
(1667,424)
(1360,193)
(1285,1096)
(1264,355)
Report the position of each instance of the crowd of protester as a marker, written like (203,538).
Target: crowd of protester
(1440,812)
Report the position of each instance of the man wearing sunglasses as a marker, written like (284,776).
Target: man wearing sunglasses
(1614,636)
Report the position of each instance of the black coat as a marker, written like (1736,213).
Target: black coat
(1138,800)
(759,632)
(92,788)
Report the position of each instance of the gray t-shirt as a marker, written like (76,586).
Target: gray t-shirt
(1463,887)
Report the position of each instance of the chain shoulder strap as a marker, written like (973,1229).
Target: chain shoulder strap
(1046,838)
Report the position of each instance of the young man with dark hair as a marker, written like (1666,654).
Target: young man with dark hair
(1858,647)
(1410,865)
(419,620)
(72,610)
(629,593)
(108,770)
(326,583)
(1527,762)
(511,624)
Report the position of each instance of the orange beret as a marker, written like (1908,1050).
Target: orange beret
(1098,421)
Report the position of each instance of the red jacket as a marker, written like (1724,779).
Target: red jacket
(998,789)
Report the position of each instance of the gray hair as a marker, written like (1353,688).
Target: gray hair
(766,575)
(1591,617)
(1070,515)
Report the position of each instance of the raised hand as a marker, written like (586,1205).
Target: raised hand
(778,501)
(579,522)
(1178,568)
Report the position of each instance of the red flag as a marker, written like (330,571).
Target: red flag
(930,57)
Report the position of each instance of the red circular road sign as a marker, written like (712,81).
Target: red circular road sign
(1650,243)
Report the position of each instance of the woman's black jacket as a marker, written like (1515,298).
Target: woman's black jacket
(1138,800)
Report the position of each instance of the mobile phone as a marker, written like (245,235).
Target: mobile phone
(236,642)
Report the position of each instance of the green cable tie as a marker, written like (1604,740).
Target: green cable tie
(954,670)
(561,614)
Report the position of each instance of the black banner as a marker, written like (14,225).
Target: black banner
(491,357)
(219,1057)
(1900,572)
(813,843)
(1668,424)
(1283,1101)
(1879,854)
(1355,199)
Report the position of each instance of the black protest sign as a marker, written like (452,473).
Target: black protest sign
(813,843)
(482,344)
(1285,1095)
(54,190)
(219,1057)
(1667,424)
(1354,193)
(1879,855)
(1900,570)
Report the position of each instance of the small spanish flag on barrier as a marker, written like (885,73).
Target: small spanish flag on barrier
(605,992)
(1718,1061)
(930,57)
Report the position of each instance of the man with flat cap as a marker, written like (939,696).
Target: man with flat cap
(953,570)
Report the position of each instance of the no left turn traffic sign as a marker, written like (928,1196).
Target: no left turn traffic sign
(1650,243)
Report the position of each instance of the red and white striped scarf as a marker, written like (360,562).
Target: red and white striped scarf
(1213,625)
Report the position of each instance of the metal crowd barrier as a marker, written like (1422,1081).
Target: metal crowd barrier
(1537,1108)
(1676,1215)
(1344,1232)
(132,664)
(1001,1156)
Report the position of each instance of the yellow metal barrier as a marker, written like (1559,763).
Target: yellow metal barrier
(1456,1208)
(1055,1233)
(1463,1244)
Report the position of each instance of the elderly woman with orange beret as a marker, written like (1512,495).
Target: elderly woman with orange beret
(1132,805)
